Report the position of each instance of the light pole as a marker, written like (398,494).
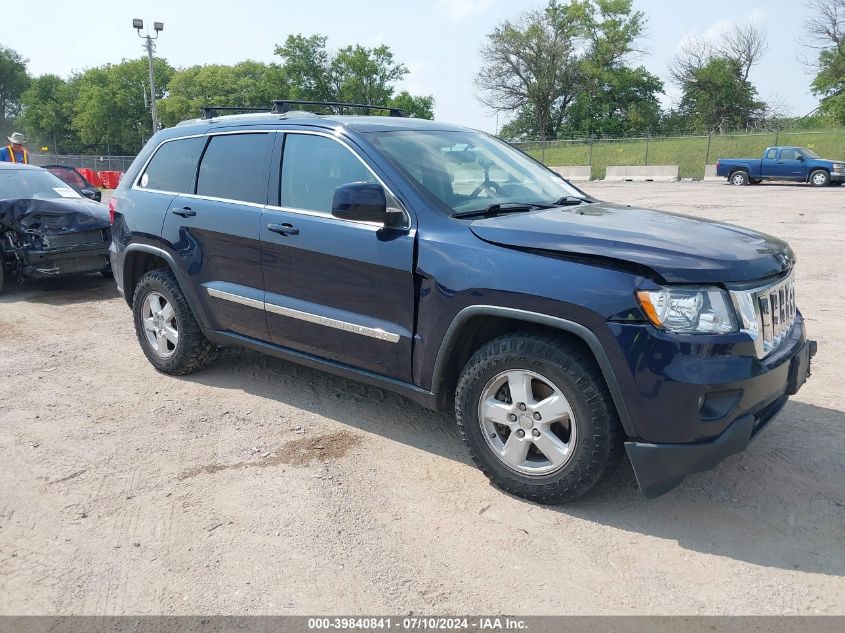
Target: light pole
(158,27)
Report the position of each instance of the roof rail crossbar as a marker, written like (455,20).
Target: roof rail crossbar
(281,106)
(209,112)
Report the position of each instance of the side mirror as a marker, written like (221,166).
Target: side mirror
(91,194)
(801,157)
(365,202)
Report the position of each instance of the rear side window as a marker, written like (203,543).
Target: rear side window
(313,167)
(771,154)
(174,166)
(234,167)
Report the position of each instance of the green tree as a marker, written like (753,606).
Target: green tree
(827,32)
(48,112)
(530,67)
(305,65)
(354,74)
(417,107)
(620,101)
(365,75)
(110,112)
(14,80)
(716,97)
(247,84)
(564,69)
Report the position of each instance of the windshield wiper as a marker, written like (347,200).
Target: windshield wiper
(501,207)
(567,201)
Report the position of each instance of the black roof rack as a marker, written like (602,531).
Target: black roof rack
(280,106)
(209,112)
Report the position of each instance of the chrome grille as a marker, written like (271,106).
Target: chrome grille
(777,310)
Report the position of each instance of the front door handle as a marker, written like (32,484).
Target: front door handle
(185,212)
(283,229)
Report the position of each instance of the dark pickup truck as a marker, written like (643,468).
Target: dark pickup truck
(798,164)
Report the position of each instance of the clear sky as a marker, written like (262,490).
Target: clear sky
(437,39)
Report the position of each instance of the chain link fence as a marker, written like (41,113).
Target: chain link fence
(96,162)
(691,153)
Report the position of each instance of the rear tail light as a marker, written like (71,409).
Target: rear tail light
(112,209)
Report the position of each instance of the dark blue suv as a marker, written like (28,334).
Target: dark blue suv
(442,263)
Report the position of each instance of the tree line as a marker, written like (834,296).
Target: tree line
(568,69)
(105,109)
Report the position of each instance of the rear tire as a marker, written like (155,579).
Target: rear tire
(820,178)
(551,458)
(739,178)
(166,328)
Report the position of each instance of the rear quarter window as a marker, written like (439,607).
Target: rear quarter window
(173,166)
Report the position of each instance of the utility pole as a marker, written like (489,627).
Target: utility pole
(158,27)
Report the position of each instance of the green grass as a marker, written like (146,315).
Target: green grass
(689,152)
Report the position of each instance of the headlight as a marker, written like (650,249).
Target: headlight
(838,166)
(689,310)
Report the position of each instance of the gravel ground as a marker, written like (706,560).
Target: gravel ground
(258,486)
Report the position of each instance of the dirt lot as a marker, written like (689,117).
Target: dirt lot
(261,487)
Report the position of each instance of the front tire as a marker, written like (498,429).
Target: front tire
(739,178)
(536,416)
(166,328)
(820,178)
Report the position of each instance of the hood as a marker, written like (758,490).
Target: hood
(677,248)
(53,217)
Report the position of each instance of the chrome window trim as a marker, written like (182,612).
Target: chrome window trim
(271,207)
(346,326)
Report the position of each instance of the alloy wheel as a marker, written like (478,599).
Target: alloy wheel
(527,422)
(160,326)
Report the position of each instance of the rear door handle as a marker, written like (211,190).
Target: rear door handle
(283,229)
(185,212)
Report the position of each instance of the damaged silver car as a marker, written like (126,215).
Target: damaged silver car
(47,229)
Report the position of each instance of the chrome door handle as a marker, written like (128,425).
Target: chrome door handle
(283,229)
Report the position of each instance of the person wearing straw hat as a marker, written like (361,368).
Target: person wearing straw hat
(15,151)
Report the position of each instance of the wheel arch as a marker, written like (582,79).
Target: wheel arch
(139,259)
(813,170)
(476,325)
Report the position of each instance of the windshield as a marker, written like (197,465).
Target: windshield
(809,153)
(468,171)
(32,183)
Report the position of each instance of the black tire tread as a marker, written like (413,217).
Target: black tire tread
(196,352)
(583,371)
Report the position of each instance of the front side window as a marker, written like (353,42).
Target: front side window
(313,167)
(468,171)
(174,166)
(788,154)
(234,167)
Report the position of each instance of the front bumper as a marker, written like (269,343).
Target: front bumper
(694,402)
(837,176)
(54,263)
